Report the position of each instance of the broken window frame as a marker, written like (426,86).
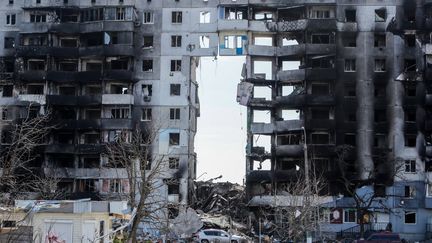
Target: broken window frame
(119,88)
(174,113)
(147,91)
(175,89)
(176,17)
(410,213)
(9,42)
(234,13)
(176,65)
(267,16)
(429,189)
(116,185)
(148,17)
(6,90)
(349,216)
(350,65)
(176,41)
(380,15)
(173,163)
(320,137)
(205,17)
(173,186)
(174,139)
(147,66)
(37,17)
(146,114)
(320,13)
(410,166)
(35,89)
(204,41)
(380,40)
(10,19)
(380,65)
(120,113)
(350,15)
(409,192)
(320,38)
(148,42)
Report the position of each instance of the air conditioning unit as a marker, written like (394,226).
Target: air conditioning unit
(147,98)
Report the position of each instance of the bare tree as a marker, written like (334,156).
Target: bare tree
(20,141)
(133,152)
(365,199)
(296,212)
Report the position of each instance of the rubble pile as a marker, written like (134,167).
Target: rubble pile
(221,199)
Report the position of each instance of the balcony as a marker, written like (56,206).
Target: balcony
(32,75)
(117,99)
(27,27)
(255,50)
(60,149)
(68,100)
(291,101)
(32,98)
(89,148)
(62,76)
(89,76)
(99,26)
(292,50)
(59,51)
(295,150)
(234,24)
(292,75)
(288,26)
(88,124)
(258,26)
(322,24)
(258,176)
(324,150)
(89,100)
(321,123)
(314,49)
(277,127)
(64,28)
(347,27)
(71,100)
(32,51)
(71,124)
(107,50)
(321,73)
(50,3)
(118,74)
(261,103)
(116,124)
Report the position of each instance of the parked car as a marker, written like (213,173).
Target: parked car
(216,235)
(383,237)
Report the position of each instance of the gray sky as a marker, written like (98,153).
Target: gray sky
(221,137)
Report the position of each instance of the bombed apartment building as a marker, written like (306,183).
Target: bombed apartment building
(338,87)
(98,69)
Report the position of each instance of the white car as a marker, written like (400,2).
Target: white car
(216,236)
